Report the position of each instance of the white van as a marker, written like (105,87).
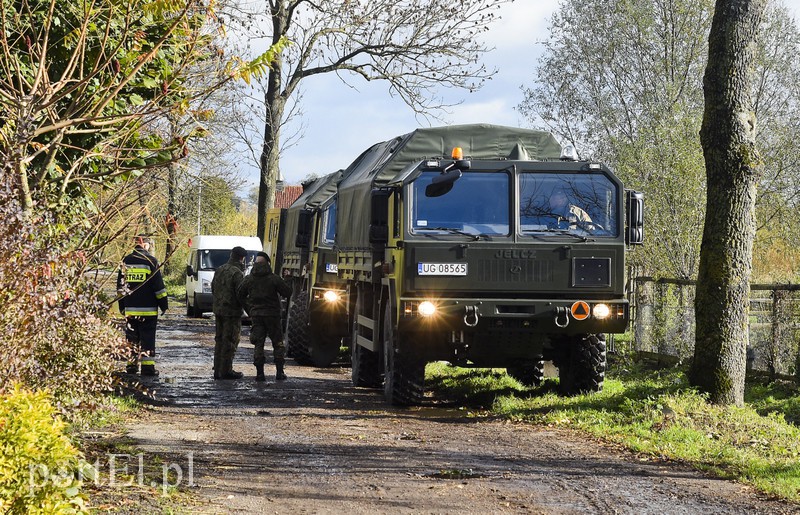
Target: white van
(207,254)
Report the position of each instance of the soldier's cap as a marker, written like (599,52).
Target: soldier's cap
(239,252)
(264,255)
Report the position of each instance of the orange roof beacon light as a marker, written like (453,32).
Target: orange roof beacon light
(458,153)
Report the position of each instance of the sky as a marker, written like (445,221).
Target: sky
(342,121)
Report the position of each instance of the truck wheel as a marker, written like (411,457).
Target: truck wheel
(529,373)
(189,311)
(366,364)
(297,333)
(583,369)
(404,383)
(324,349)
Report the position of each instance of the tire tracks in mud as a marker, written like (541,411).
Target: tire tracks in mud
(316,444)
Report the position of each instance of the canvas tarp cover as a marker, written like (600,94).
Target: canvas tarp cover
(384,161)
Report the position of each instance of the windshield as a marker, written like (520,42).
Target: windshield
(478,204)
(578,204)
(213,259)
(330,223)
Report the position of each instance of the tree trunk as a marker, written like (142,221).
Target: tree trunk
(275,101)
(171,221)
(732,165)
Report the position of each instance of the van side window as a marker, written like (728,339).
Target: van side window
(213,259)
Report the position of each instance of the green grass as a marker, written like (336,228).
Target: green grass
(656,414)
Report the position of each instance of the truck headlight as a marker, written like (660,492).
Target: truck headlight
(426,308)
(206,286)
(601,311)
(330,296)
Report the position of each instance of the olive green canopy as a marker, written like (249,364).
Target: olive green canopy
(382,162)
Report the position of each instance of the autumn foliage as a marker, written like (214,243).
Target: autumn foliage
(55,333)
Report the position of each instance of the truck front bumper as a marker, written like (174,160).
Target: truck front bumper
(549,316)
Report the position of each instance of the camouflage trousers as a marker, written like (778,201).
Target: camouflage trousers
(262,327)
(226,341)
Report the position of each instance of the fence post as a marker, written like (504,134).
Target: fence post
(643,323)
(778,319)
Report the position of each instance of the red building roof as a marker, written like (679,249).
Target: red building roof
(285,198)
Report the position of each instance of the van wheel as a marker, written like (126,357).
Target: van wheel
(404,382)
(196,311)
(297,333)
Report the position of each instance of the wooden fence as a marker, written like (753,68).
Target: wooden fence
(664,323)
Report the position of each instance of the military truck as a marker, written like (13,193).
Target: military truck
(317,314)
(467,258)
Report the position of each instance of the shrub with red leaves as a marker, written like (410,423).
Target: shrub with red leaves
(54,332)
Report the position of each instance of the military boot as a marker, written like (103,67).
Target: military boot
(149,370)
(279,375)
(260,372)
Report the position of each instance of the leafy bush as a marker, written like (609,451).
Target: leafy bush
(55,331)
(38,463)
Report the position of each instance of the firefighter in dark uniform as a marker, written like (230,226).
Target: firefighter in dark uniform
(141,286)
(227,313)
(260,295)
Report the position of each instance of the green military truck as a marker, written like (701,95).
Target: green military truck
(317,314)
(506,256)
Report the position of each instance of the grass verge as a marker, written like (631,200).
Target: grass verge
(656,414)
(126,480)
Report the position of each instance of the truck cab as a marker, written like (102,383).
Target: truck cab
(494,260)
(317,319)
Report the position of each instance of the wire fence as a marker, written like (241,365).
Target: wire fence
(664,323)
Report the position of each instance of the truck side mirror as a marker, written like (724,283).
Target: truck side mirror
(189,271)
(443,183)
(379,216)
(303,229)
(634,217)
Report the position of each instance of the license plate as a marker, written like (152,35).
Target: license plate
(441,268)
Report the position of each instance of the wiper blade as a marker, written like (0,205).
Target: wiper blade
(560,232)
(453,230)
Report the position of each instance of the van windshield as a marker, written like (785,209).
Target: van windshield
(211,259)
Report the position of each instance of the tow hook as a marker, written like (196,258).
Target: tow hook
(562,312)
(471,316)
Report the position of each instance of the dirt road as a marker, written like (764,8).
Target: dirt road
(315,444)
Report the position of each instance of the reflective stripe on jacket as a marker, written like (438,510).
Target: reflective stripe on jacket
(140,282)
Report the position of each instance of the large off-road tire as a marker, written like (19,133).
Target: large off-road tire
(366,364)
(583,368)
(528,372)
(324,349)
(404,374)
(297,331)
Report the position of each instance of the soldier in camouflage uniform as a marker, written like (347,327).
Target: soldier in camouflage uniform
(227,313)
(260,294)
